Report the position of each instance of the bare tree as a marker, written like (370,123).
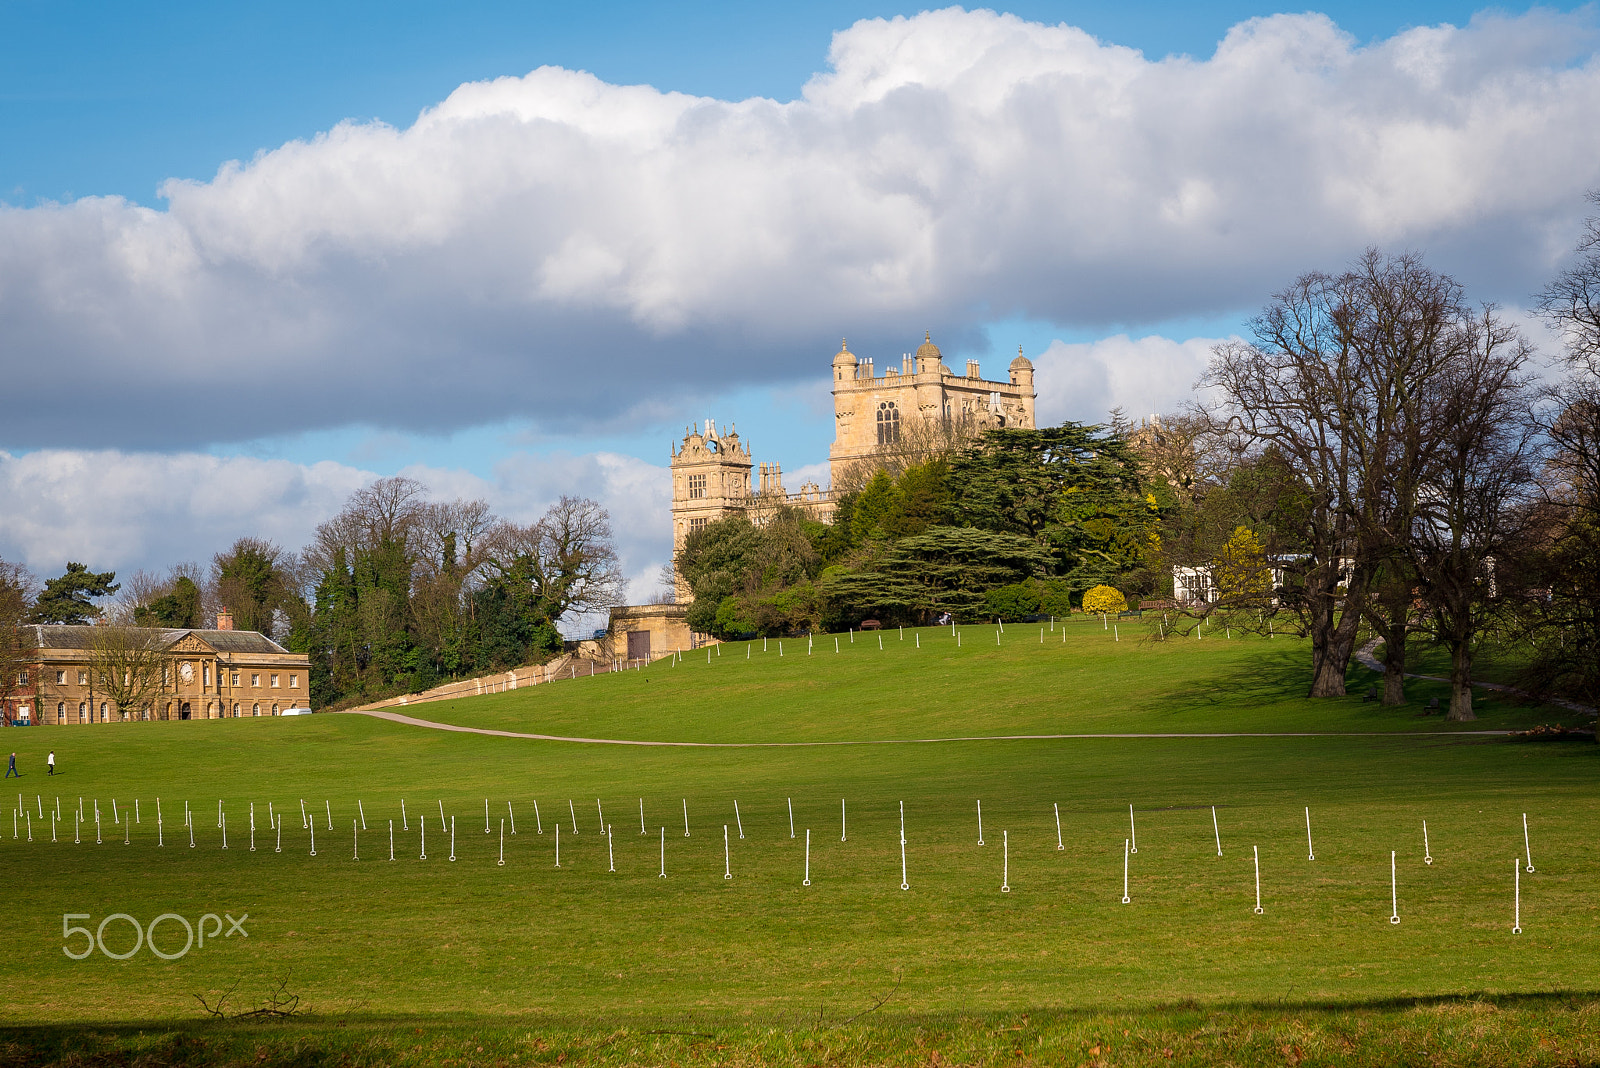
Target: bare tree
(919,440)
(1572,301)
(1333,382)
(18,650)
(1473,506)
(129,666)
(572,556)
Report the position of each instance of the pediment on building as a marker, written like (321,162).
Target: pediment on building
(189,643)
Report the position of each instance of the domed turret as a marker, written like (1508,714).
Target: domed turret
(927,354)
(1022,370)
(844,364)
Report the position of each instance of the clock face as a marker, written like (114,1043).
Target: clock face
(187,671)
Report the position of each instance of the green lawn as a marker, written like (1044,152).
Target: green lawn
(526,951)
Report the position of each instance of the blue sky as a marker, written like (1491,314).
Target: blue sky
(403,311)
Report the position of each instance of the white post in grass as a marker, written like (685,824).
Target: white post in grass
(28,821)
(747,649)
(355,840)
(1311,853)
(362,809)
(391,840)
(422,829)
(1527,850)
(1059,845)
(452,838)
(807,880)
(1005,870)
(486,815)
(611,856)
(278,826)
(127,836)
(115,818)
(76,824)
(502,862)
(841,820)
(329,805)
(136,818)
(1256,851)
(1427,854)
(791,817)
(511,813)
(558,845)
(641,817)
(980,823)
(602,813)
(780,646)
(161,838)
(686,817)
(737,820)
(1215,830)
(727,857)
(1516,875)
(1133,836)
(405,821)
(663,874)
(443,826)
(188,820)
(1125,898)
(880,641)
(902,823)
(312,828)
(114,809)
(97,830)
(904,885)
(918,637)
(573,812)
(537,822)
(52,826)
(1394,891)
(836,643)
(224,833)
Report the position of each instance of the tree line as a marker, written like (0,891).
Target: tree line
(1383,455)
(394,594)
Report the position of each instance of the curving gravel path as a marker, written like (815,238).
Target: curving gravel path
(412,721)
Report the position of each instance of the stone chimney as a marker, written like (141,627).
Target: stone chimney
(224,619)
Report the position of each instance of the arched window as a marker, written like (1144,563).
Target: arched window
(61,712)
(105,715)
(274,710)
(236,710)
(255,710)
(888,423)
(83,712)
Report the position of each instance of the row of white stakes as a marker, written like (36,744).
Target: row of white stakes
(1130,844)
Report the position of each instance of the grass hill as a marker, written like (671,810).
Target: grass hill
(402,961)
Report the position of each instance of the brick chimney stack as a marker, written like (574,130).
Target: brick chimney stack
(224,619)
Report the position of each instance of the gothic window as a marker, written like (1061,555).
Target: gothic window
(888,423)
(697,485)
(696,524)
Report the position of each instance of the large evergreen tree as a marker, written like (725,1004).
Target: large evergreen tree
(68,597)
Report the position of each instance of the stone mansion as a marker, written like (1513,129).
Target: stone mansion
(872,412)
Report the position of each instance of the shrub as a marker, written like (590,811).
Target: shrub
(1103,599)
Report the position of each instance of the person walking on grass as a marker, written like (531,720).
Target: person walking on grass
(12,769)
(50,762)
